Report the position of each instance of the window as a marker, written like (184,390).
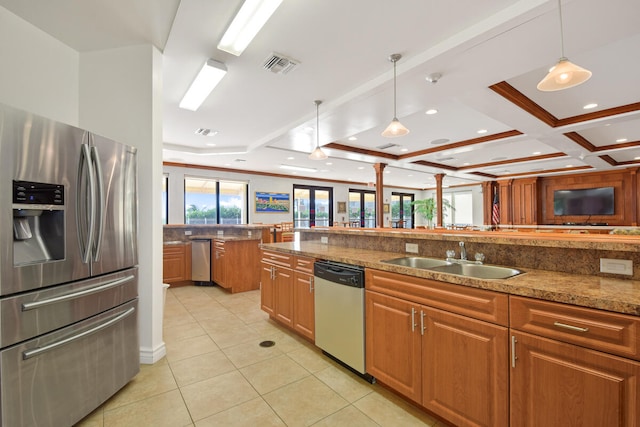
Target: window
(462,212)
(401,210)
(362,208)
(311,206)
(165,202)
(209,201)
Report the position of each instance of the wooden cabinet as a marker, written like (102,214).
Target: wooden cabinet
(218,264)
(452,364)
(176,263)
(235,264)
(287,291)
(564,374)
(303,297)
(558,384)
(524,200)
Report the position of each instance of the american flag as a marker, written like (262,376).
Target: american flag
(495,214)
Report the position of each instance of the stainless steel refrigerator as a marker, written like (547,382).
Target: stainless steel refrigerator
(68,270)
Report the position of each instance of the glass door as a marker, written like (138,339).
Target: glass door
(362,208)
(401,210)
(311,206)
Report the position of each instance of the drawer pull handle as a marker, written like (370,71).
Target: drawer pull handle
(570,327)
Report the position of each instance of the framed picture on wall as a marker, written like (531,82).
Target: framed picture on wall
(342,207)
(385,208)
(267,202)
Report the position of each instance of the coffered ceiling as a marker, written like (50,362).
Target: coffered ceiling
(492,122)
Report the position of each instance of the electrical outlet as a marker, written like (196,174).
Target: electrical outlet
(616,266)
(188,232)
(411,248)
(324,239)
(220,233)
(249,233)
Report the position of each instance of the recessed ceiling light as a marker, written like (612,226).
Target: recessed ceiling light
(590,106)
(466,164)
(568,166)
(636,158)
(621,140)
(211,144)
(206,132)
(328,163)
(481,131)
(353,138)
(535,153)
(290,158)
(431,111)
(360,167)
(404,150)
(387,171)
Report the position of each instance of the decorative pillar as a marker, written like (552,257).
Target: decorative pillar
(379,167)
(439,217)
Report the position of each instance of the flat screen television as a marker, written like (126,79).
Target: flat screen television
(586,201)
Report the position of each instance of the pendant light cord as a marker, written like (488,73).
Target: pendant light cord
(561,29)
(318,124)
(395,113)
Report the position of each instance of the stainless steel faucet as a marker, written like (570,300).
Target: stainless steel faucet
(463,251)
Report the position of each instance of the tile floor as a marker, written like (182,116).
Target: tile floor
(216,374)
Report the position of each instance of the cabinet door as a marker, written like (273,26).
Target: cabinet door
(267,291)
(558,384)
(393,343)
(465,369)
(219,268)
(283,284)
(303,302)
(173,264)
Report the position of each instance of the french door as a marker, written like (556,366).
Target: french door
(362,208)
(312,206)
(401,210)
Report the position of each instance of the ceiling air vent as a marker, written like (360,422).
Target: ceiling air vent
(386,146)
(279,64)
(206,132)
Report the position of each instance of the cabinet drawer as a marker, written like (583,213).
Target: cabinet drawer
(218,244)
(600,330)
(277,258)
(173,249)
(477,303)
(304,264)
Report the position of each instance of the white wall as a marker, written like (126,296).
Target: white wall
(37,72)
(259,183)
(121,98)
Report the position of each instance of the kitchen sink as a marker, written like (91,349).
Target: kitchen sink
(468,269)
(480,271)
(417,262)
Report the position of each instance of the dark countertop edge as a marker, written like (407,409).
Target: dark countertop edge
(225,238)
(622,243)
(520,285)
(241,226)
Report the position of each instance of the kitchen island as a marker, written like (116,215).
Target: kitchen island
(558,343)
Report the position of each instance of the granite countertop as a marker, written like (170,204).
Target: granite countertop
(617,295)
(224,238)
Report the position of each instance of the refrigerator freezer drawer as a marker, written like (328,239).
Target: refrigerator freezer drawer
(24,316)
(59,378)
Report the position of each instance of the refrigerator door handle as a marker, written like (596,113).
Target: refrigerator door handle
(40,350)
(85,167)
(97,243)
(73,295)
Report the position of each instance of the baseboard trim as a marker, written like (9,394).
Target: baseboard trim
(150,356)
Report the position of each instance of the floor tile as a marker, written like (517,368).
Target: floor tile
(233,335)
(349,416)
(346,384)
(254,413)
(182,331)
(201,367)
(304,402)
(273,373)
(390,411)
(311,360)
(217,394)
(246,354)
(166,409)
(152,380)
(189,347)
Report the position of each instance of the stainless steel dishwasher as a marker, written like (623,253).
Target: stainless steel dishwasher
(339,314)
(201,261)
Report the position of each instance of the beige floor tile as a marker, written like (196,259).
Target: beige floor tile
(166,409)
(273,373)
(349,416)
(390,411)
(94,419)
(233,335)
(201,367)
(178,319)
(181,332)
(251,352)
(189,347)
(152,380)
(254,413)
(346,384)
(217,394)
(310,359)
(304,402)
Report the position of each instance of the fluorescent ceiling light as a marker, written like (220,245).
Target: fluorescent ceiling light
(208,77)
(250,18)
(298,168)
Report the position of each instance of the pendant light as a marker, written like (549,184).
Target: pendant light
(317,154)
(564,74)
(395,128)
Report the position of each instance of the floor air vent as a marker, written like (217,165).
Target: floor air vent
(279,64)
